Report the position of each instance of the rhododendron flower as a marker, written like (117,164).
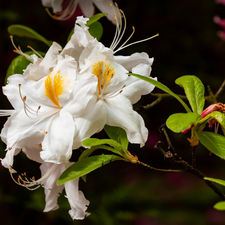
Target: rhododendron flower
(50,174)
(46,104)
(86,7)
(115,91)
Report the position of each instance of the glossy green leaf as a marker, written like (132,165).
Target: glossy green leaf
(24,31)
(19,64)
(95,18)
(219,116)
(220,205)
(117,147)
(180,121)
(96,30)
(89,151)
(213,142)
(118,134)
(218,181)
(85,166)
(162,87)
(194,90)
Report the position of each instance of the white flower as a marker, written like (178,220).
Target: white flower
(50,174)
(115,91)
(46,100)
(86,6)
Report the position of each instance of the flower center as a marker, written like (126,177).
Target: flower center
(104,72)
(54,87)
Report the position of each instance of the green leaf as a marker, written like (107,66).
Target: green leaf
(19,64)
(96,30)
(213,142)
(24,31)
(95,18)
(118,134)
(85,166)
(180,121)
(117,147)
(219,116)
(162,87)
(194,90)
(95,27)
(220,205)
(218,181)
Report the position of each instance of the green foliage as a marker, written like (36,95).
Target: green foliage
(219,116)
(220,205)
(19,64)
(213,142)
(86,166)
(117,134)
(162,87)
(117,147)
(180,121)
(95,18)
(218,181)
(194,90)
(24,31)
(96,30)
(95,27)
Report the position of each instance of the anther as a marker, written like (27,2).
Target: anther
(24,98)
(124,86)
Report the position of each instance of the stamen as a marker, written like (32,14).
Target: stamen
(19,51)
(32,184)
(35,51)
(6,112)
(136,42)
(28,109)
(118,35)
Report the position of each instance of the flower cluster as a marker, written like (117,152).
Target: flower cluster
(67,96)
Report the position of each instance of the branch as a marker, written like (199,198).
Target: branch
(175,159)
(212,98)
(157,169)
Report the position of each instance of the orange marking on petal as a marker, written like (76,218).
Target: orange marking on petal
(54,87)
(104,72)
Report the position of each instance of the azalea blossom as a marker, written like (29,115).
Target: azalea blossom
(50,174)
(86,6)
(116,92)
(46,99)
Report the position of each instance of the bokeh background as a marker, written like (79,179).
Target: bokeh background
(122,193)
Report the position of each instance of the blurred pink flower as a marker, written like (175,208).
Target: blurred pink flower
(220,2)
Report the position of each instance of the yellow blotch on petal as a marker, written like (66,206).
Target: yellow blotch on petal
(104,72)
(54,87)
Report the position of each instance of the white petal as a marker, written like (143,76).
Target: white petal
(20,131)
(83,92)
(52,191)
(77,200)
(91,122)
(56,5)
(128,62)
(104,6)
(11,90)
(87,8)
(7,162)
(136,87)
(33,153)
(121,114)
(50,59)
(57,144)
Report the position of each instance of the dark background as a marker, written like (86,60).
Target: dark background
(122,193)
